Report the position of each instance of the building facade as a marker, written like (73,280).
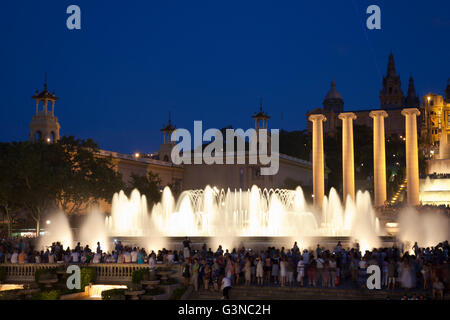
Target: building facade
(392,101)
(44,126)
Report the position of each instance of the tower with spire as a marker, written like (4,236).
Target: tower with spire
(412,100)
(166,147)
(333,100)
(391,95)
(261,118)
(44,126)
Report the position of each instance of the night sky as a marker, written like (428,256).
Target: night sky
(134,61)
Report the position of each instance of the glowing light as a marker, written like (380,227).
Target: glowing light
(392,224)
(48,222)
(137,155)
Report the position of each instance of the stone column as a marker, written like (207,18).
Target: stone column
(412,155)
(318,159)
(379,157)
(348,162)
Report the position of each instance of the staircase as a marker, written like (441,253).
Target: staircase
(298,293)
(396,197)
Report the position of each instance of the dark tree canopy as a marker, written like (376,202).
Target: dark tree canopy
(68,174)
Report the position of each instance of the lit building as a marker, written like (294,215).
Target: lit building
(292,171)
(44,126)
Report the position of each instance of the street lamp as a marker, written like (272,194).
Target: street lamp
(48,222)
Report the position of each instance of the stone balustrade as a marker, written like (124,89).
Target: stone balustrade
(106,272)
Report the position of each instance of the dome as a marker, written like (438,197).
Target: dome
(333,93)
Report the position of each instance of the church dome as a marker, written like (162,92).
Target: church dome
(333,93)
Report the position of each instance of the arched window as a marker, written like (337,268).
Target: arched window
(166,158)
(37,136)
(52,137)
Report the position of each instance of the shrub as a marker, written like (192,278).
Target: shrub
(9,294)
(138,275)
(44,273)
(109,294)
(88,275)
(47,295)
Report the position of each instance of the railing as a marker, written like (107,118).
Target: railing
(106,272)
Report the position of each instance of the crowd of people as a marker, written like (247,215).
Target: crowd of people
(424,269)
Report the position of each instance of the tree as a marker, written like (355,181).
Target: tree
(7,194)
(147,185)
(69,175)
(36,168)
(87,176)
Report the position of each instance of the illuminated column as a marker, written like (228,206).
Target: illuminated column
(348,165)
(318,160)
(379,157)
(412,155)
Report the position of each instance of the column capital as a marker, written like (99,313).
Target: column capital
(347,115)
(317,117)
(378,113)
(410,112)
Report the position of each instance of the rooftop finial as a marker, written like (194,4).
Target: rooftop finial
(260,104)
(170,119)
(45,80)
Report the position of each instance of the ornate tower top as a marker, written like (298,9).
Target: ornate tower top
(333,100)
(412,100)
(169,128)
(44,125)
(391,66)
(261,118)
(391,95)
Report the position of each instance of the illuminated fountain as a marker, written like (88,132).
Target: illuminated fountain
(251,213)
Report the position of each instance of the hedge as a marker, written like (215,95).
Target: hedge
(138,275)
(108,294)
(47,295)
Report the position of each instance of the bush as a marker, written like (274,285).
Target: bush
(10,294)
(178,293)
(44,273)
(138,275)
(109,294)
(88,275)
(47,295)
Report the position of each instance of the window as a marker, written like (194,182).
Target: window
(37,136)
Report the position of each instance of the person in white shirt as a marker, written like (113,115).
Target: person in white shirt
(134,256)
(226,286)
(127,256)
(75,257)
(319,267)
(51,258)
(170,257)
(300,271)
(152,262)
(15,257)
(97,257)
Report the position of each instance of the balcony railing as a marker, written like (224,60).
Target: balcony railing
(106,272)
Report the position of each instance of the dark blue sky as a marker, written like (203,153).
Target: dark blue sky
(209,60)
